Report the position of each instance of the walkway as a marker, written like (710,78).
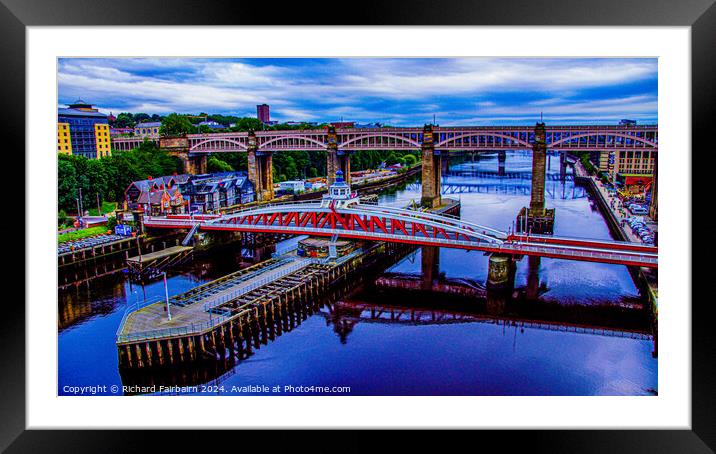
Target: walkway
(146,258)
(619,211)
(152,320)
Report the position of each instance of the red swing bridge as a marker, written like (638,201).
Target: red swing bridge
(401,225)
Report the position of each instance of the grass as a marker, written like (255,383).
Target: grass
(78,234)
(107,207)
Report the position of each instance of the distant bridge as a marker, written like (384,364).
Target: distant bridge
(420,228)
(510,188)
(487,174)
(457,138)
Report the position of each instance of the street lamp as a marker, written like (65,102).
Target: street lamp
(166,295)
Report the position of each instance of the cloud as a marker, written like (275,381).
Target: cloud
(400,91)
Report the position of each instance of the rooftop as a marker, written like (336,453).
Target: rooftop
(79,113)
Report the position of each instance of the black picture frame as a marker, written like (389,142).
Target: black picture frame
(16,15)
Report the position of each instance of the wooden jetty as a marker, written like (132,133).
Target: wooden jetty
(262,308)
(157,260)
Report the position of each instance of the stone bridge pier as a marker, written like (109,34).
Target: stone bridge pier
(431,172)
(536,218)
(193,163)
(260,166)
(336,159)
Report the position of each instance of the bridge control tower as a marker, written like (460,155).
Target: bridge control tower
(339,194)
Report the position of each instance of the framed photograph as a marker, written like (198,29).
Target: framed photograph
(451,216)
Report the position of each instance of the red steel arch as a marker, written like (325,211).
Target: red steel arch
(380,223)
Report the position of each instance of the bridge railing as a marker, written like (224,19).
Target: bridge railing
(506,247)
(243,289)
(193,328)
(135,307)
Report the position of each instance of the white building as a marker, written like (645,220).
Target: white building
(292,186)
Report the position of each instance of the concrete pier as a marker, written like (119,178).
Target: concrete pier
(501,273)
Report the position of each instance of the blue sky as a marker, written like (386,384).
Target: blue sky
(396,91)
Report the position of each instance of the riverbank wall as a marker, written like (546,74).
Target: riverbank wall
(75,261)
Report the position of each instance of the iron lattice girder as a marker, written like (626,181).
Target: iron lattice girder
(448,138)
(376,223)
(377,220)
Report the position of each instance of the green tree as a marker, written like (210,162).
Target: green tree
(66,183)
(61,218)
(217,165)
(238,161)
(124,120)
(410,159)
(175,124)
(141,117)
(248,124)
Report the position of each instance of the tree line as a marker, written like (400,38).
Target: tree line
(109,176)
(295,165)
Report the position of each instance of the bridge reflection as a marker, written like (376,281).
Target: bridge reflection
(431,298)
(494,309)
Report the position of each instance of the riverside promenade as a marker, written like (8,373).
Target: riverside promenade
(617,211)
(645,277)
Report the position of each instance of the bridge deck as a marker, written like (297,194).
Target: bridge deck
(194,317)
(380,223)
(152,256)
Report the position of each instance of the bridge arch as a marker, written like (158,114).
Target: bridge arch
(412,142)
(445,223)
(198,145)
(264,145)
(648,143)
(447,140)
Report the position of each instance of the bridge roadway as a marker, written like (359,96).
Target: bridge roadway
(457,138)
(381,223)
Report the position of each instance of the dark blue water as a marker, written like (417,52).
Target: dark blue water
(379,357)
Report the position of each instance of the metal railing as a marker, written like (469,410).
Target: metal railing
(293,244)
(135,307)
(254,285)
(193,328)
(507,247)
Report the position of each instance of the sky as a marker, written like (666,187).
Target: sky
(393,91)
